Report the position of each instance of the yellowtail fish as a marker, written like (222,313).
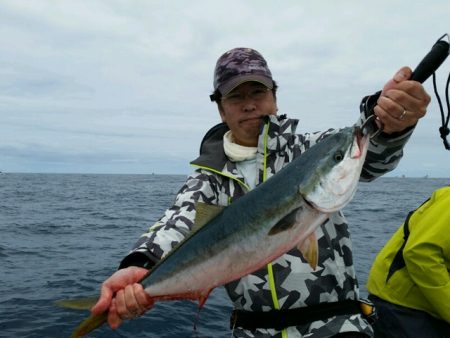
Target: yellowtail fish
(278,215)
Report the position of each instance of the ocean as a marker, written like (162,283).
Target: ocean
(63,234)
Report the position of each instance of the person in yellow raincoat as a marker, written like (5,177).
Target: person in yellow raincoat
(409,281)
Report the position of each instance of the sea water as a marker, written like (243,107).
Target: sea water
(61,235)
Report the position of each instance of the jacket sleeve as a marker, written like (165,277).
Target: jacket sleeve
(427,253)
(385,150)
(175,224)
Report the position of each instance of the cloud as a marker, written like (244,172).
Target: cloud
(115,82)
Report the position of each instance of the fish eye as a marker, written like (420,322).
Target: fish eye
(338,156)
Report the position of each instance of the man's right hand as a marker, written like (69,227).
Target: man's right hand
(123,297)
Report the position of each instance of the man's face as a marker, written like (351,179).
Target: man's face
(243,108)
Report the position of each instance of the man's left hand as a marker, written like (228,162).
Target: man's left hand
(401,103)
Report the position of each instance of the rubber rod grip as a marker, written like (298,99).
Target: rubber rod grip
(431,61)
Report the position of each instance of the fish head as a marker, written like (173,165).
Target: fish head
(336,174)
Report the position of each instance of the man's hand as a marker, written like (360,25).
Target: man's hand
(123,297)
(401,103)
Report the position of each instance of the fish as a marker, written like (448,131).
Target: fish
(227,243)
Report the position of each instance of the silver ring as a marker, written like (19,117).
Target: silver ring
(403,115)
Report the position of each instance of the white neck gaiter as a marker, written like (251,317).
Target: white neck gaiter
(236,152)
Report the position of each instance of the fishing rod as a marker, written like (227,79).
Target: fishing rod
(431,62)
(427,67)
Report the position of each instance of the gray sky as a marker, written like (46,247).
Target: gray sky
(122,86)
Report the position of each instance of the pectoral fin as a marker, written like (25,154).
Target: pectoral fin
(285,223)
(310,250)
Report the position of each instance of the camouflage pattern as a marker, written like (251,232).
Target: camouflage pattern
(241,65)
(296,284)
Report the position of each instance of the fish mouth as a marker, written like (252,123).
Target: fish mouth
(336,188)
(360,143)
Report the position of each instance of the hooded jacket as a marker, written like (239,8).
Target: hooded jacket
(424,281)
(289,281)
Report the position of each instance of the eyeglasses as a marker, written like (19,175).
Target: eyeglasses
(255,94)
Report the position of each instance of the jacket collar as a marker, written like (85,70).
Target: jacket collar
(213,156)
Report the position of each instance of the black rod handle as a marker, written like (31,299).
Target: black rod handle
(435,57)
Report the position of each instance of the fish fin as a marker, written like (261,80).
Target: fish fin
(89,324)
(202,299)
(310,250)
(205,213)
(77,304)
(284,224)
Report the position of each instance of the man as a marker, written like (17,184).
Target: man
(250,146)
(410,281)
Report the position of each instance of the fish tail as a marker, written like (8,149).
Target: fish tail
(77,304)
(89,324)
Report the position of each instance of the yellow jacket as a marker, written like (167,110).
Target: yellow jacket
(424,284)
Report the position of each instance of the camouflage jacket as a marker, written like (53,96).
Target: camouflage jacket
(289,281)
